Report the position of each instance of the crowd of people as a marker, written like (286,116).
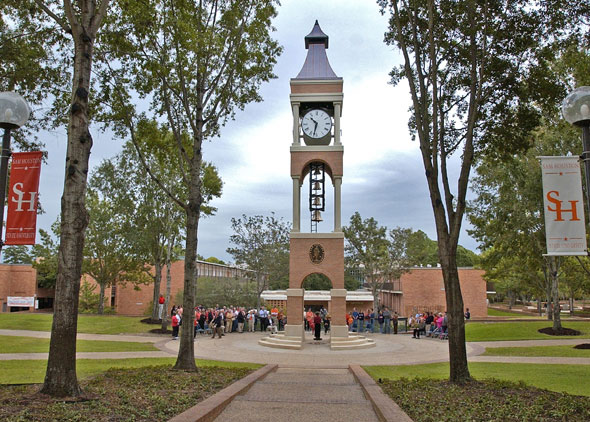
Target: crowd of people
(360,321)
(219,321)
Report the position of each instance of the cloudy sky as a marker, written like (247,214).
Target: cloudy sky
(383,173)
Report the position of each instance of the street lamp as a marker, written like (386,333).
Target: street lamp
(576,110)
(14,112)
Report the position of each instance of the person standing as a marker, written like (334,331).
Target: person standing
(161,302)
(241,318)
(317,323)
(395,321)
(175,325)
(386,321)
(218,323)
(229,316)
(274,315)
(467,314)
(251,320)
(361,322)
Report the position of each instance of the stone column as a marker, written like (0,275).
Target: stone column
(337,111)
(296,205)
(338,328)
(296,140)
(337,204)
(294,327)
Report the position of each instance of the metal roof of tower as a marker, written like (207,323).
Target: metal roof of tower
(316,64)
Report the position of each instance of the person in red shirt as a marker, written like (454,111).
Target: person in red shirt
(175,324)
(161,302)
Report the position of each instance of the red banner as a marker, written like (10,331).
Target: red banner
(23,194)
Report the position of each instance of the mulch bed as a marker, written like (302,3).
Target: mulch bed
(155,393)
(561,332)
(151,321)
(582,346)
(428,400)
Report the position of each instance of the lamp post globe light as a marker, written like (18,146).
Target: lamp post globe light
(576,110)
(14,112)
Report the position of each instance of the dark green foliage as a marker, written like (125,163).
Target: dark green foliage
(153,393)
(428,400)
(317,282)
(18,254)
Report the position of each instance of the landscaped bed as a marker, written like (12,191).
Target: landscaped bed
(139,394)
(428,400)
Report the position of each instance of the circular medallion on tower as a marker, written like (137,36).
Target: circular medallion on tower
(316,253)
(317,127)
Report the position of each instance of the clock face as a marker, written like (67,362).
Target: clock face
(316,124)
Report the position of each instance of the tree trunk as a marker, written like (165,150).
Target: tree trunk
(553,273)
(186,352)
(549,299)
(572,305)
(510,299)
(258,291)
(156,296)
(459,371)
(101,299)
(168,285)
(539,307)
(60,376)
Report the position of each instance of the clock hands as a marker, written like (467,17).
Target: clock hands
(315,124)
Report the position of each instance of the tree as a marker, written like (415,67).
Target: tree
(422,251)
(261,244)
(478,76)
(19,254)
(199,61)
(79,22)
(32,63)
(381,256)
(317,281)
(109,251)
(45,257)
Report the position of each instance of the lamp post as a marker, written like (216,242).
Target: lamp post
(576,110)
(14,112)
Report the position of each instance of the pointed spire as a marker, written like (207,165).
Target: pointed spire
(316,36)
(316,64)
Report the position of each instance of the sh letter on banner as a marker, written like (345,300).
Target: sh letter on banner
(23,193)
(565,226)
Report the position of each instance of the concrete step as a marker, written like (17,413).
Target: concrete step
(256,411)
(309,378)
(280,344)
(353,344)
(308,393)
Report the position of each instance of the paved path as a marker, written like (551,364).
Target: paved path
(302,394)
(398,349)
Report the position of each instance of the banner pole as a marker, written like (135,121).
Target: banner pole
(4,178)
(586,159)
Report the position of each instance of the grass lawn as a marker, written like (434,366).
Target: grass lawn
(141,394)
(550,351)
(96,324)
(515,314)
(560,378)
(13,344)
(33,371)
(499,331)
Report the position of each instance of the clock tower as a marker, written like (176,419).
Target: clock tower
(316,153)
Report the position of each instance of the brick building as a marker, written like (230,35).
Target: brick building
(421,289)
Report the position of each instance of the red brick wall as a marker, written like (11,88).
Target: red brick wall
(300,266)
(423,290)
(17,280)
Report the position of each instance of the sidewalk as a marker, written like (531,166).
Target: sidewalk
(398,349)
